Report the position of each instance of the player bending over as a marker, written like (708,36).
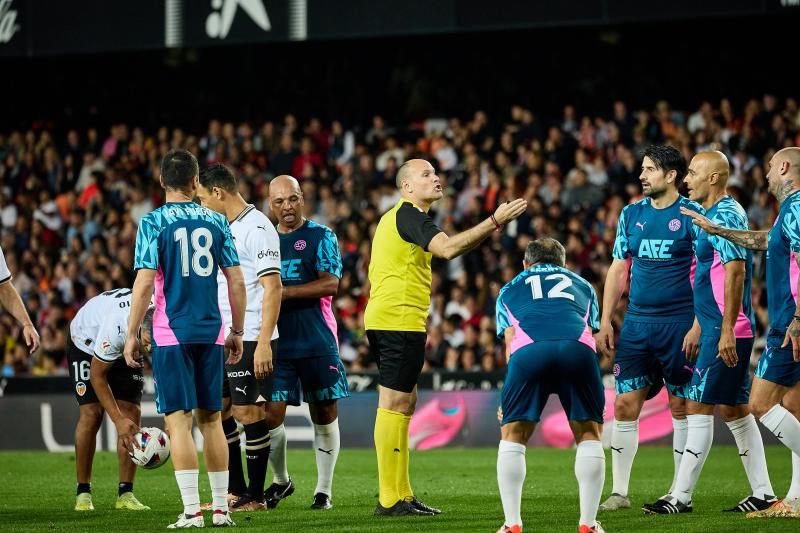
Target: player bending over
(550,357)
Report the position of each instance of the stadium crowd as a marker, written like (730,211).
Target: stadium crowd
(70,202)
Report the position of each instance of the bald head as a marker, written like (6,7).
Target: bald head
(707,177)
(714,162)
(286,183)
(791,156)
(417,181)
(408,169)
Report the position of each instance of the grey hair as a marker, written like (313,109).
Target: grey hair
(545,250)
(147,322)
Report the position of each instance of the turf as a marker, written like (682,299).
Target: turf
(38,494)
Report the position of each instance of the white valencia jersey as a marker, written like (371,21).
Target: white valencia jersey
(259,249)
(5,273)
(101,326)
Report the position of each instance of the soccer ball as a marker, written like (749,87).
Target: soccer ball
(150,448)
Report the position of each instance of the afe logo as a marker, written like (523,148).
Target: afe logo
(219,22)
(8,19)
(655,248)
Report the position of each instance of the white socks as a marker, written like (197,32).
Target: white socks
(190,493)
(680,428)
(326,448)
(510,478)
(590,471)
(219,490)
(751,451)
(698,443)
(784,426)
(277,455)
(794,488)
(624,443)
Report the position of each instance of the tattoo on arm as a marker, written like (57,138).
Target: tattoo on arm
(752,240)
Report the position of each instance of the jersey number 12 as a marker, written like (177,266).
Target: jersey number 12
(201,252)
(557,291)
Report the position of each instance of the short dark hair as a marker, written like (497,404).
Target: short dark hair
(545,250)
(178,169)
(667,158)
(218,175)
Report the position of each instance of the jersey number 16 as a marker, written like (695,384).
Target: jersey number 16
(200,251)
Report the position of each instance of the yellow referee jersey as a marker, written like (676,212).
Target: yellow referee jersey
(400,270)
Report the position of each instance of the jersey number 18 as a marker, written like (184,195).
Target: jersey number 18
(200,251)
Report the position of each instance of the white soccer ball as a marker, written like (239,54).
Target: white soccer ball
(150,448)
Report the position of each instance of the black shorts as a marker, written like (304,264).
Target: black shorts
(126,383)
(240,383)
(400,356)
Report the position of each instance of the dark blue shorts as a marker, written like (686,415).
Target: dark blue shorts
(713,382)
(188,377)
(650,355)
(566,368)
(777,364)
(320,379)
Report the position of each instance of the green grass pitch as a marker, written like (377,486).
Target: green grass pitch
(38,494)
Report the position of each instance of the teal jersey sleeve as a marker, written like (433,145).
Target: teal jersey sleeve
(621,249)
(502,319)
(328,258)
(594,312)
(728,218)
(229,257)
(791,226)
(146,251)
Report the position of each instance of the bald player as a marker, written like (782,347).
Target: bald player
(397,314)
(775,396)
(308,348)
(723,307)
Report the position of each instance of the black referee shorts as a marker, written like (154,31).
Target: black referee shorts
(400,356)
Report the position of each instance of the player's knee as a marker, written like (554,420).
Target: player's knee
(412,406)
(274,414)
(131,410)
(729,413)
(91,416)
(792,404)
(677,407)
(759,407)
(247,414)
(207,418)
(519,432)
(323,413)
(626,409)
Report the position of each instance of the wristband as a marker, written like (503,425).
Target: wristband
(236,333)
(497,225)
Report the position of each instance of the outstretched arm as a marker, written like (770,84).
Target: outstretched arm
(752,240)
(449,247)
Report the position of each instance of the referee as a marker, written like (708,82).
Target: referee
(396,316)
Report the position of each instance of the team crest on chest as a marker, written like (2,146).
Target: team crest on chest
(300,245)
(674,224)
